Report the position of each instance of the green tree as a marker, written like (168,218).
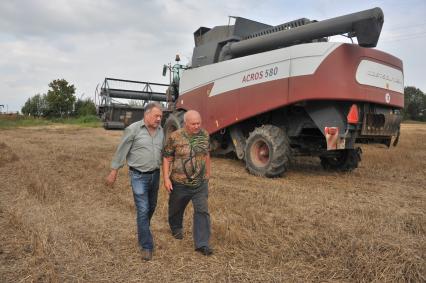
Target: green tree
(35,106)
(84,107)
(414,104)
(60,99)
(26,109)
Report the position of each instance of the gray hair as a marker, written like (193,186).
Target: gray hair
(152,105)
(189,112)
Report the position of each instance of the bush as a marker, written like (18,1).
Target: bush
(84,108)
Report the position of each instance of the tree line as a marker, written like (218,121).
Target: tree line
(59,102)
(414,104)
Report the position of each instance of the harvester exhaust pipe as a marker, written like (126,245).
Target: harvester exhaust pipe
(365,25)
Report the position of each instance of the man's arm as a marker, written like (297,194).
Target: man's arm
(208,167)
(168,156)
(166,174)
(110,179)
(120,156)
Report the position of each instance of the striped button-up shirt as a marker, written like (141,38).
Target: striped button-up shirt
(141,150)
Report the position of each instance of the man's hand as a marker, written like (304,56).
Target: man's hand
(168,185)
(110,179)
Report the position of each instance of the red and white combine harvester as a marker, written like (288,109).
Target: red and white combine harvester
(268,93)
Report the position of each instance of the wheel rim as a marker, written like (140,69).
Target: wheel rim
(260,153)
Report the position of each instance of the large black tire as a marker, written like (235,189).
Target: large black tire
(173,122)
(346,160)
(267,151)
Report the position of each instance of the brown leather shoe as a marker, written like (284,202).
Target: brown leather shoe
(146,254)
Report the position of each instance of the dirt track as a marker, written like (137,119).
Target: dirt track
(60,223)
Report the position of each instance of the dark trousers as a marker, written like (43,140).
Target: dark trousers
(179,199)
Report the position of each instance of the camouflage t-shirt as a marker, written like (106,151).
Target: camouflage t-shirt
(189,154)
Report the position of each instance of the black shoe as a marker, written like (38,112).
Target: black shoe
(178,234)
(205,250)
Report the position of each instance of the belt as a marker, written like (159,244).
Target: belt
(146,172)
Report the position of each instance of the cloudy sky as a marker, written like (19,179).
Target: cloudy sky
(84,41)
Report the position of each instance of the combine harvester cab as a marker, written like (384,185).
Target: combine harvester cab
(268,93)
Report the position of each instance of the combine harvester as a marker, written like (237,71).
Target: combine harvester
(268,93)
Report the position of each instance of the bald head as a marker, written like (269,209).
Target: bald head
(192,120)
(191,114)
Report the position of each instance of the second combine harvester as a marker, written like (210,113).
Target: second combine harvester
(268,93)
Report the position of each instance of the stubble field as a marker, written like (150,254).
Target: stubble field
(59,222)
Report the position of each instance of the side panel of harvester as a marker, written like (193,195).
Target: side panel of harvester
(234,90)
(353,73)
(238,89)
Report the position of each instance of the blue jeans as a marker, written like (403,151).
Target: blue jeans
(145,193)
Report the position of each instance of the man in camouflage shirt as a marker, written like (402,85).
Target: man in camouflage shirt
(186,153)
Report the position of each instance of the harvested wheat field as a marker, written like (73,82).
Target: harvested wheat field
(60,223)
